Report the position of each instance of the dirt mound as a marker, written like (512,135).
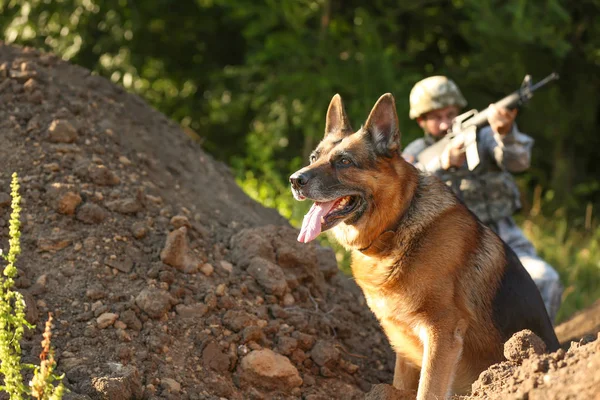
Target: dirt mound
(165,279)
(585,322)
(531,374)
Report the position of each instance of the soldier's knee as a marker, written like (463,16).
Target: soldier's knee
(539,270)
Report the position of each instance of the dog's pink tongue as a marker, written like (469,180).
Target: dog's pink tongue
(311,225)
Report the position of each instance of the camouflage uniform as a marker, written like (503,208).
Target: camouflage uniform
(489,191)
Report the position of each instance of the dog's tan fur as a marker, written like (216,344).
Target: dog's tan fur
(428,268)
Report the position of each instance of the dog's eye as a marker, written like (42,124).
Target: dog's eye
(345,161)
(312,158)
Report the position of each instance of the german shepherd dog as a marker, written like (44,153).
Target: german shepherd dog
(447,291)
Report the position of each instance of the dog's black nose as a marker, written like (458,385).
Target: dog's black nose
(298,180)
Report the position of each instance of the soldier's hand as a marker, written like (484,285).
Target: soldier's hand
(453,156)
(501,119)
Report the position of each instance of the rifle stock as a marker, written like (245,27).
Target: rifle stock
(465,124)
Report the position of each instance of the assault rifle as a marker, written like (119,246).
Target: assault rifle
(464,127)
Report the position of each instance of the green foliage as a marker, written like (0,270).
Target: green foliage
(576,255)
(13,323)
(255,78)
(12,307)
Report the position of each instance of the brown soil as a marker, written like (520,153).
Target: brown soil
(167,281)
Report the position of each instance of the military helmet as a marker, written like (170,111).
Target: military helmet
(433,93)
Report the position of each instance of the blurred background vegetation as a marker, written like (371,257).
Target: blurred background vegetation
(252,80)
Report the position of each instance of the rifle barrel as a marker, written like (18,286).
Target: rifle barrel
(510,101)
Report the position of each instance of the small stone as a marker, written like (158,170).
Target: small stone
(52,244)
(91,213)
(131,320)
(180,220)
(227,266)
(220,291)
(191,311)
(382,391)
(176,252)
(325,354)
(207,269)
(214,358)
(124,160)
(288,300)
(154,302)
(67,203)
(105,320)
(51,167)
(125,206)
(238,320)
(123,264)
(268,275)
(286,345)
(120,325)
(62,131)
(269,370)
(139,230)
(95,293)
(101,175)
(171,385)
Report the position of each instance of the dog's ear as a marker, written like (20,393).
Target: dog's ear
(337,121)
(382,125)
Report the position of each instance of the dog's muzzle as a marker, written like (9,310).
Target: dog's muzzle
(299,180)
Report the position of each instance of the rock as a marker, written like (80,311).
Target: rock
(95,293)
(123,384)
(238,320)
(102,176)
(67,203)
(131,320)
(154,302)
(207,269)
(180,220)
(214,358)
(305,341)
(288,300)
(139,230)
(286,345)
(32,314)
(176,252)
(91,213)
(268,370)
(61,131)
(52,244)
(123,264)
(268,275)
(523,345)
(192,311)
(227,266)
(125,206)
(250,243)
(170,385)
(252,334)
(106,319)
(383,391)
(325,354)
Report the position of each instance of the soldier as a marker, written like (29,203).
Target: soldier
(489,190)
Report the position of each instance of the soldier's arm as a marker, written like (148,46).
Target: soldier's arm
(512,151)
(412,151)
